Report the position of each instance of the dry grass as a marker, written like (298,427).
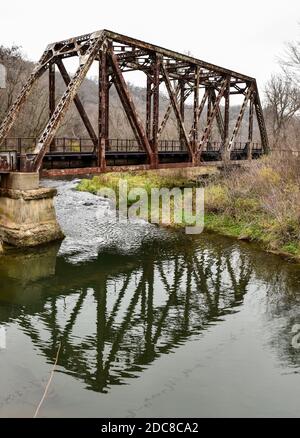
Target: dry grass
(264,200)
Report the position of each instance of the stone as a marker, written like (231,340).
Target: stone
(20,181)
(27,217)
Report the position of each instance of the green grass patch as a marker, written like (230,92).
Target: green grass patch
(255,204)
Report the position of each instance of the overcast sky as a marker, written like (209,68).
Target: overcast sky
(246,36)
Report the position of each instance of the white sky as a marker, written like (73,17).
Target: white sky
(246,36)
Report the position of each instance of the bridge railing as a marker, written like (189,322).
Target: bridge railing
(85,145)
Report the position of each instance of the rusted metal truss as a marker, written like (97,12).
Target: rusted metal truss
(181,75)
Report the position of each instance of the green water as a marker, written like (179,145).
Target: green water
(150,322)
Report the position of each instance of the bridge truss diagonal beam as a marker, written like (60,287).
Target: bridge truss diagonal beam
(65,101)
(176,109)
(212,116)
(84,117)
(129,106)
(240,117)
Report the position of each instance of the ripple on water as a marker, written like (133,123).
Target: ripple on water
(90,225)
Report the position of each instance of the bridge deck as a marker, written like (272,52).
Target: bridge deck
(68,153)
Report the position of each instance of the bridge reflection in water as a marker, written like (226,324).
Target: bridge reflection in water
(116,315)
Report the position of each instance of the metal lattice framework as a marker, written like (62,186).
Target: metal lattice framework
(182,76)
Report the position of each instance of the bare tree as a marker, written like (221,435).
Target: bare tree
(283,104)
(290,62)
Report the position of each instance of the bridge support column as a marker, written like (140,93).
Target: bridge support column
(27,213)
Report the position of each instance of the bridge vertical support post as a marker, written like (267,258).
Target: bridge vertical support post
(51,94)
(103,109)
(51,89)
(182,108)
(208,113)
(225,156)
(148,107)
(195,111)
(155,109)
(250,129)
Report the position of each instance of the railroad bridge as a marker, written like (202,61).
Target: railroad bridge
(207,91)
(200,99)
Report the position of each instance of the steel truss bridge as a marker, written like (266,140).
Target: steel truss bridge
(209,88)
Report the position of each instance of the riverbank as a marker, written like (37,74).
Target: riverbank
(260,203)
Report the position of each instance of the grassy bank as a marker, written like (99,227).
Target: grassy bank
(260,203)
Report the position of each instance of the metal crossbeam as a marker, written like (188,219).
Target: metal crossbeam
(240,118)
(176,109)
(78,104)
(212,116)
(129,106)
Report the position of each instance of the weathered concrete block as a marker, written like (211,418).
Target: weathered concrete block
(20,181)
(27,218)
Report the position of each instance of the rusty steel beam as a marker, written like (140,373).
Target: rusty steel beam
(176,109)
(200,109)
(84,117)
(148,107)
(195,130)
(250,128)
(167,114)
(175,55)
(212,115)
(226,117)
(103,109)
(64,103)
(155,115)
(219,118)
(129,107)
(240,118)
(14,110)
(51,89)
(260,119)
(72,46)
(182,98)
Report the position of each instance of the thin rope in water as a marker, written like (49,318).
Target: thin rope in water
(49,383)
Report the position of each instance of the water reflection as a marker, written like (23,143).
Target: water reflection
(117,314)
(119,297)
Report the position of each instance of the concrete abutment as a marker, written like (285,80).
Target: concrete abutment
(27,213)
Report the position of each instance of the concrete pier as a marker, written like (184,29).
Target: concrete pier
(27,213)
